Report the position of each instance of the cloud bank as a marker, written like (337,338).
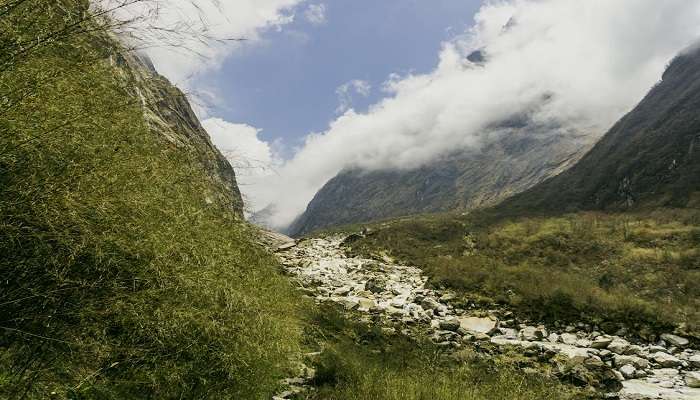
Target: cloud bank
(591,60)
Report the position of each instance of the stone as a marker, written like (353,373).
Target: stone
(628,371)
(637,362)
(695,361)
(398,301)
(618,346)
(366,304)
(451,325)
(569,338)
(692,379)
(594,362)
(583,343)
(531,333)
(430,304)
(509,333)
(342,291)
(674,340)
(667,384)
(348,303)
(666,360)
(601,342)
(634,350)
(375,285)
(479,325)
(553,337)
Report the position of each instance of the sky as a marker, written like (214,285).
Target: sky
(324,85)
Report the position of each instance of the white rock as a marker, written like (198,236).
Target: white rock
(692,379)
(628,371)
(601,342)
(674,340)
(695,361)
(666,360)
(569,338)
(618,346)
(479,325)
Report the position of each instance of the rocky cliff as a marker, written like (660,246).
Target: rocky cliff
(170,114)
(651,157)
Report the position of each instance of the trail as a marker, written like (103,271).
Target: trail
(397,295)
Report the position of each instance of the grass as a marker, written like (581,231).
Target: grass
(361,362)
(126,273)
(641,271)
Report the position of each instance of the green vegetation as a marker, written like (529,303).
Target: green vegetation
(126,273)
(361,362)
(642,270)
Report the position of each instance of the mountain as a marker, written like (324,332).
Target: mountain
(651,157)
(168,112)
(524,154)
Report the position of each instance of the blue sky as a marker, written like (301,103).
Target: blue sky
(285,84)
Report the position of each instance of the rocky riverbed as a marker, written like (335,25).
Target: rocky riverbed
(398,296)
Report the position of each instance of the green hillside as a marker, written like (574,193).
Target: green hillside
(126,269)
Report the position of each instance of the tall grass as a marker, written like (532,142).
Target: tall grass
(360,362)
(125,272)
(639,271)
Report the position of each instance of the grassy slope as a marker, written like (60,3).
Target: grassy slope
(120,277)
(640,270)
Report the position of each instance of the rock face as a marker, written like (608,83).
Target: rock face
(578,353)
(521,158)
(650,157)
(169,113)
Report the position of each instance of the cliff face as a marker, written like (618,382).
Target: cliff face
(651,157)
(524,156)
(170,114)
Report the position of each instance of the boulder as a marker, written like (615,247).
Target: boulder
(479,325)
(430,304)
(619,346)
(637,362)
(375,285)
(366,304)
(601,342)
(531,333)
(348,303)
(666,360)
(628,371)
(692,379)
(553,337)
(674,340)
(451,325)
(569,338)
(695,361)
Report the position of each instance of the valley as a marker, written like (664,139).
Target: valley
(395,299)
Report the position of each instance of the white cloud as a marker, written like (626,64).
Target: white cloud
(316,14)
(252,158)
(186,37)
(346,91)
(591,60)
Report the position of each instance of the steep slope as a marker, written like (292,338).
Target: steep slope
(651,157)
(525,154)
(127,270)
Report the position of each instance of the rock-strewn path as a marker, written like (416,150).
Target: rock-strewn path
(397,293)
